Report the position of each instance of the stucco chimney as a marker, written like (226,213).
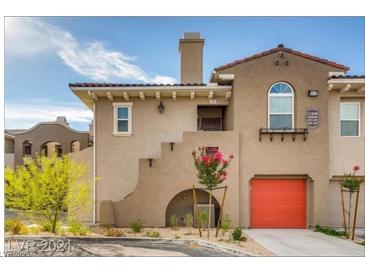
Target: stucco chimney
(191,58)
(62,119)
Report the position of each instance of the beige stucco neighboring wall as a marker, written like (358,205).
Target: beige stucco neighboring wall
(85,157)
(250,102)
(9,160)
(49,132)
(9,145)
(117,159)
(174,172)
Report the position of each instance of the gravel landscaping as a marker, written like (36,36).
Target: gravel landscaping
(163,242)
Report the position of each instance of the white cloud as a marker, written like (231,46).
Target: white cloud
(26,115)
(30,36)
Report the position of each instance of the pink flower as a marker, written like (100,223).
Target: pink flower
(218,156)
(356,168)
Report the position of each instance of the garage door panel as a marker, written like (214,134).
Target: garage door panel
(278,203)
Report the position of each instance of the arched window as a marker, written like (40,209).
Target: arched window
(27,148)
(281,106)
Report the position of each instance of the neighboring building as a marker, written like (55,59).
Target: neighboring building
(276,111)
(9,150)
(46,136)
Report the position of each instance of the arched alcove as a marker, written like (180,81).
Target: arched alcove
(75,146)
(182,204)
(48,147)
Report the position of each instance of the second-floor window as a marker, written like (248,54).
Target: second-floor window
(281,106)
(350,119)
(123,119)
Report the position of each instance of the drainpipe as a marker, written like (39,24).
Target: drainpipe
(94,163)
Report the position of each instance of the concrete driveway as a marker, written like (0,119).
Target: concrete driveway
(304,242)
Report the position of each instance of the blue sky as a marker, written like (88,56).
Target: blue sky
(43,55)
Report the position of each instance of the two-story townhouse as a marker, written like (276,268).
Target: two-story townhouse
(271,110)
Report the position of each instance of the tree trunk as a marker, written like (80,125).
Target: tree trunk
(54,223)
(209,211)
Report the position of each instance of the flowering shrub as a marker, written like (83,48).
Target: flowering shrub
(350,181)
(211,167)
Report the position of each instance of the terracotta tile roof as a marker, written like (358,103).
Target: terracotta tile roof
(281,47)
(130,85)
(347,77)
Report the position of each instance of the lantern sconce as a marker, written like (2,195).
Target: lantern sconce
(313,93)
(161,107)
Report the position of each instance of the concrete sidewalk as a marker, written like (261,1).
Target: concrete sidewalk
(304,242)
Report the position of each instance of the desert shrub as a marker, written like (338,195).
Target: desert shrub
(189,220)
(237,235)
(113,232)
(226,224)
(177,236)
(329,231)
(203,218)
(48,226)
(16,227)
(78,229)
(34,229)
(9,223)
(174,222)
(136,226)
(153,234)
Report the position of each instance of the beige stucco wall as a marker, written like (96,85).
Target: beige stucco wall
(43,133)
(250,102)
(335,214)
(345,152)
(117,160)
(175,172)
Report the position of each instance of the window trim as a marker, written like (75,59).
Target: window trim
(115,118)
(269,95)
(358,120)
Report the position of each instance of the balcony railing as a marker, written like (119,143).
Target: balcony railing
(293,132)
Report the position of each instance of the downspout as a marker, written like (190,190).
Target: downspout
(94,163)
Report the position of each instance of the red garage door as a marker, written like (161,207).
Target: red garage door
(278,203)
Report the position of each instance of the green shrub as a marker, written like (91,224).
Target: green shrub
(237,235)
(113,232)
(16,227)
(189,220)
(153,234)
(78,229)
(9,223)
(177,236)
(136,226)
(48,227)
(329,231)
(174,222)
(34,229)
(226,224)
(203,218)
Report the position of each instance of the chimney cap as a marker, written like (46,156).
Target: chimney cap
(62,119)
(191,35)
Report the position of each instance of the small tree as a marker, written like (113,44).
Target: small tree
(48,187)
(211,167)
(350,184)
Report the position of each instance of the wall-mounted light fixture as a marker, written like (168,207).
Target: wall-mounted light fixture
(313,93)
(161,107)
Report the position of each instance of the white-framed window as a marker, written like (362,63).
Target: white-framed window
(281,106)
(350,119)
(122,119)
